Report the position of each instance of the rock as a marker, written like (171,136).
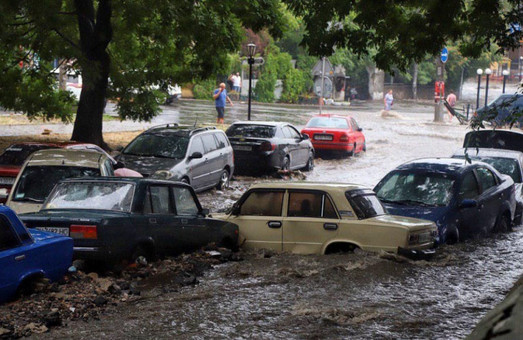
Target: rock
(93,276)
(4,331)
(35,328)
(52,318)
(100,301)
(124,285)
(104,284)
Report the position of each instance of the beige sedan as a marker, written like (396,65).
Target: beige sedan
(321,218)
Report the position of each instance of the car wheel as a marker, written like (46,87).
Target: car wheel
(364,146)
(142,255)
(452,236)
(223,183)
(310,162)
(351,153)
(502,224)
(286,165)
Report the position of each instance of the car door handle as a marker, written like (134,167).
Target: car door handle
(152,220)
(330,226)
(20,258)
(274,224)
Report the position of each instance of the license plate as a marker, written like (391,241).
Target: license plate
(7,180)
(323,137)
(242,147)
(56,230)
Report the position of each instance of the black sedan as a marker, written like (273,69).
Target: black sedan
(113,219)
(268,146)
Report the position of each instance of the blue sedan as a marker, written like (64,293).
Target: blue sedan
(26,256)
(463,199)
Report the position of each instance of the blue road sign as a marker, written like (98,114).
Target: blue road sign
(444,55)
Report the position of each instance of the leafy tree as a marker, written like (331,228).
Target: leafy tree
(204,89)
(294,85)
(277,65)
(141,46)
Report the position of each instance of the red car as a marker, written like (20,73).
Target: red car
(329,132)
(12,159)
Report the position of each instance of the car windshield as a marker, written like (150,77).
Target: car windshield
(507,166)
(17,154)
(158,145)
(244,130)
(328,122)
(91,195)
(425,189)
(37,182)
(365,204)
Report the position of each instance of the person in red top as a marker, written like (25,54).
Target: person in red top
(451,99)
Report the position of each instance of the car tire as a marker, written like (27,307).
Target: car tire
(452,236)
(223,182)
(286,165)
(310,162)
(142,253)
(351,153)
(502,224)
(364,146)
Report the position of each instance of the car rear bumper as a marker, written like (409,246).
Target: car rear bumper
(254,161)
(90,253)
(334,146)
(416,254)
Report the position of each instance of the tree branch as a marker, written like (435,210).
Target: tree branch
(69,41)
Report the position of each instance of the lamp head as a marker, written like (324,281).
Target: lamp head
(251,50)
(488,71)
(479,71)
(506,72)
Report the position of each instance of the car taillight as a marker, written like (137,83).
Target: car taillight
(83,231)
(344,138)
(267,146)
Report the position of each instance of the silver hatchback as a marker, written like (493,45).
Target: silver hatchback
(201,157)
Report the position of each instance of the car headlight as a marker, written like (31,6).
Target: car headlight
(162,174)
(421,238)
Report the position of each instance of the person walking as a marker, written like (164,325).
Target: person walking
(220,97)
(451,99)
(388,100)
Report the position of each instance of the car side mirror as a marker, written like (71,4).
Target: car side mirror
(196,155)
(235,210)
(360,129)
(467,203)
(304,136)
(119,165)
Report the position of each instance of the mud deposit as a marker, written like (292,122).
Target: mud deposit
(356,296)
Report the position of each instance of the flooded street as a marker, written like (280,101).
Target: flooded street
(358,296)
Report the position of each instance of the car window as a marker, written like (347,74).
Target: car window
(364,204)
(197,146)
(109,170)
(157,200)
(294,132)
(209,143)
(263,203)
(507,166)
(486,178)
(469,187)
(222,140)
(286,132)
(17,154)
(8,238)
(328,122)
(310,204)
(184,201)
(248,130)
(158,145)
(355,125)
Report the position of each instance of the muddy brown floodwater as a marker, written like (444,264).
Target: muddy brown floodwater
(358,296)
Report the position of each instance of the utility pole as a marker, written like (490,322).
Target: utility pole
(322,82)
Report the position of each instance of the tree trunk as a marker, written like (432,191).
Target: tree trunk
(62,76)
(376,82)
(95,35)
(415,82)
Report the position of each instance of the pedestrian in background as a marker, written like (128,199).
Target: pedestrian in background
(220,97)
(237,82)
(451,99)
(388,100)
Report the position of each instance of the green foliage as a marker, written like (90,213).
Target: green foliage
(204,89)
(294,85)
(277,65)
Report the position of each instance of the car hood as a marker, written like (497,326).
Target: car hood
(412,224)
(148,165)
(427,213)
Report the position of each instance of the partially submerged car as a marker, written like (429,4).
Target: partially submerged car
(113,219)
(329,132)
(464,200)
(323,218)
(504,110)
(507,162)
(268,146)
(494,139)
(45,168)
(201,157)
(26,255)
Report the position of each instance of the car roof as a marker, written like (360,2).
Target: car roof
(251,122)
(489,152)
(446,165)
(50,144)
(136,180)
(309,186)
(179,130)
(331,115)
(66,157)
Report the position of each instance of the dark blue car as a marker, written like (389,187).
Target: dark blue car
(463,199)
(25,256)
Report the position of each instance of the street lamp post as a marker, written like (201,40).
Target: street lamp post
(251,50)
(505,75)
(479,72)
(488,72)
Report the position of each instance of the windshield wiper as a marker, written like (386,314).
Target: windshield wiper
(162,156)
(423,204)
